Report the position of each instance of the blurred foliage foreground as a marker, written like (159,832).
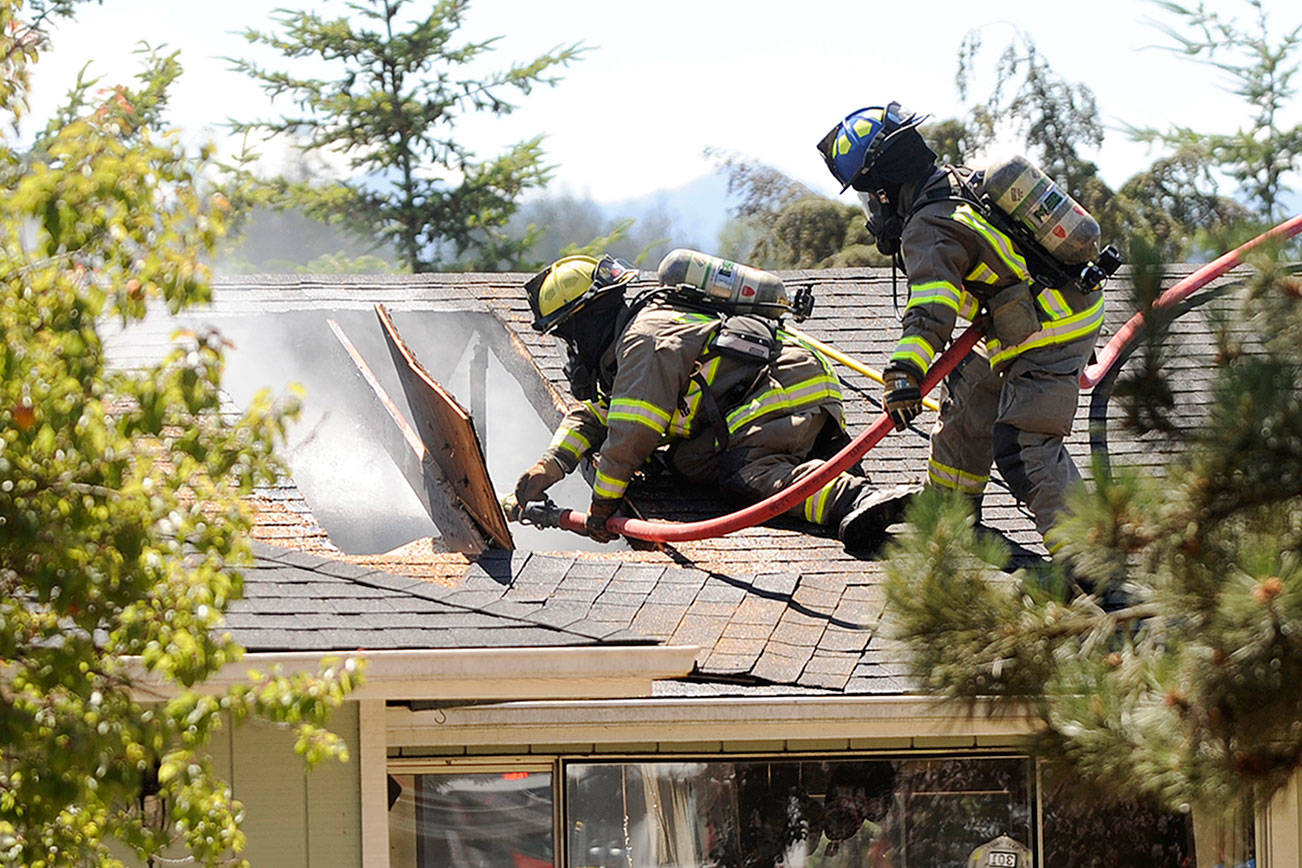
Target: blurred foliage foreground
(1180,678)
(121,521)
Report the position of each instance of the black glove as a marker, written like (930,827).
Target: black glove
(535,481)
(902,400)
(601,509)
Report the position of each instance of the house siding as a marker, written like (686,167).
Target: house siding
(297,818)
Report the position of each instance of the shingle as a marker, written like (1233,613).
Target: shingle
(779,584)
(658,620)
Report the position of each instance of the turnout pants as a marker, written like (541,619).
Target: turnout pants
(1016,419)
(770,455)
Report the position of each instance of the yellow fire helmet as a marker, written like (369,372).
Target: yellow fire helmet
(566,286)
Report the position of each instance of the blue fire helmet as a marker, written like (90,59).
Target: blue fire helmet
(852,147)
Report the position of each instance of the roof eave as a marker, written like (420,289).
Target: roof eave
(588,672)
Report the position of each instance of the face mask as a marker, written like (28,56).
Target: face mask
(886,227)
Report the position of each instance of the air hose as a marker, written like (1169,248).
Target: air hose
(777,504)
(774,505)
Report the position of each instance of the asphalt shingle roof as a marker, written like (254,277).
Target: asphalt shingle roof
(777,607)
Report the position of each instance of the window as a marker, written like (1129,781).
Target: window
(884,813)
(499,819)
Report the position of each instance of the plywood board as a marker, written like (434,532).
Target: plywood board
(448,433)
(460,532)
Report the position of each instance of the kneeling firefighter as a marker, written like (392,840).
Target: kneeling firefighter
(1013,403)
(733,401)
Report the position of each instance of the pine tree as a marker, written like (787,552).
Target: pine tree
(121,520)
(391,109)
(1191,692)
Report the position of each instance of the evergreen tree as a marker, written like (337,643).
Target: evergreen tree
(1191,692)
(1263,154)
(122,527)
(391,109)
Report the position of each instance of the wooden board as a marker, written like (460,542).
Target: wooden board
(448,433)
(460,532)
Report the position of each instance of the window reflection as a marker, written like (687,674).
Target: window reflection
(814,814)
(469,821)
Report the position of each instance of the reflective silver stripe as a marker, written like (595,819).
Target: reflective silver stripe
(599,409)
(571,441)
(811,392)
(937,292)
(642,412)
(1053,303)
(609,486)
(955,479)
(816,504)
(915,350)
(1060,331)
(996,239)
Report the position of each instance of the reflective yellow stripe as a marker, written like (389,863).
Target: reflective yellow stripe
(955,479)
(969,307)
(916,351)
(599,409)
(936,292)
(642,412)
(1054,305)
(982,274)
(996,239)
(1060,331)
(810,393)
(571,441)
(609,486)
(816,504)
(681,423)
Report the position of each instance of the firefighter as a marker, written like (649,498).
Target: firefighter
(1012,403)
(650,374)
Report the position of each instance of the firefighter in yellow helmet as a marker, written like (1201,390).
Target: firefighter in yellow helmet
(1011,404)
(654,374)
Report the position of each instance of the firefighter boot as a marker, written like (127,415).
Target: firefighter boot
(863,527)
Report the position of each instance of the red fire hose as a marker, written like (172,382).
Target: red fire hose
(777,504)
(1178,293)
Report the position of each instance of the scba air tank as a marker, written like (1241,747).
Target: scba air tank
(744,289)
(1066,230)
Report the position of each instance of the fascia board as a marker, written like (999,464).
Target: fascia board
(508,674)
(700,719)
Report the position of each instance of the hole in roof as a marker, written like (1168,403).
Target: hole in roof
(336,451)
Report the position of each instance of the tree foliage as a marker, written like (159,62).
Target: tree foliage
(121,519)
(391,110)
(1056,118)
(781,223)
(1192,691)
(1260,67)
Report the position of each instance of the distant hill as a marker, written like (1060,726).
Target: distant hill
(696,211)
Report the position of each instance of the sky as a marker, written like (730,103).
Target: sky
(663,80)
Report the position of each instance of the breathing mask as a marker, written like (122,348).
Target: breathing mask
(885,225)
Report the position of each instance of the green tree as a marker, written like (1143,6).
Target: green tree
(778,222)
(122,524)
(391,110)
(1056,118)
(1261,68)
(1192,691)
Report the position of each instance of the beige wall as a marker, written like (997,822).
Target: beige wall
(295,818)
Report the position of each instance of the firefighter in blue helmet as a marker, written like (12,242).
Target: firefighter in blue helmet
(1012,403)
(656,377)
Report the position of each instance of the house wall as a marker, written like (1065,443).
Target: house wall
(296,818)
